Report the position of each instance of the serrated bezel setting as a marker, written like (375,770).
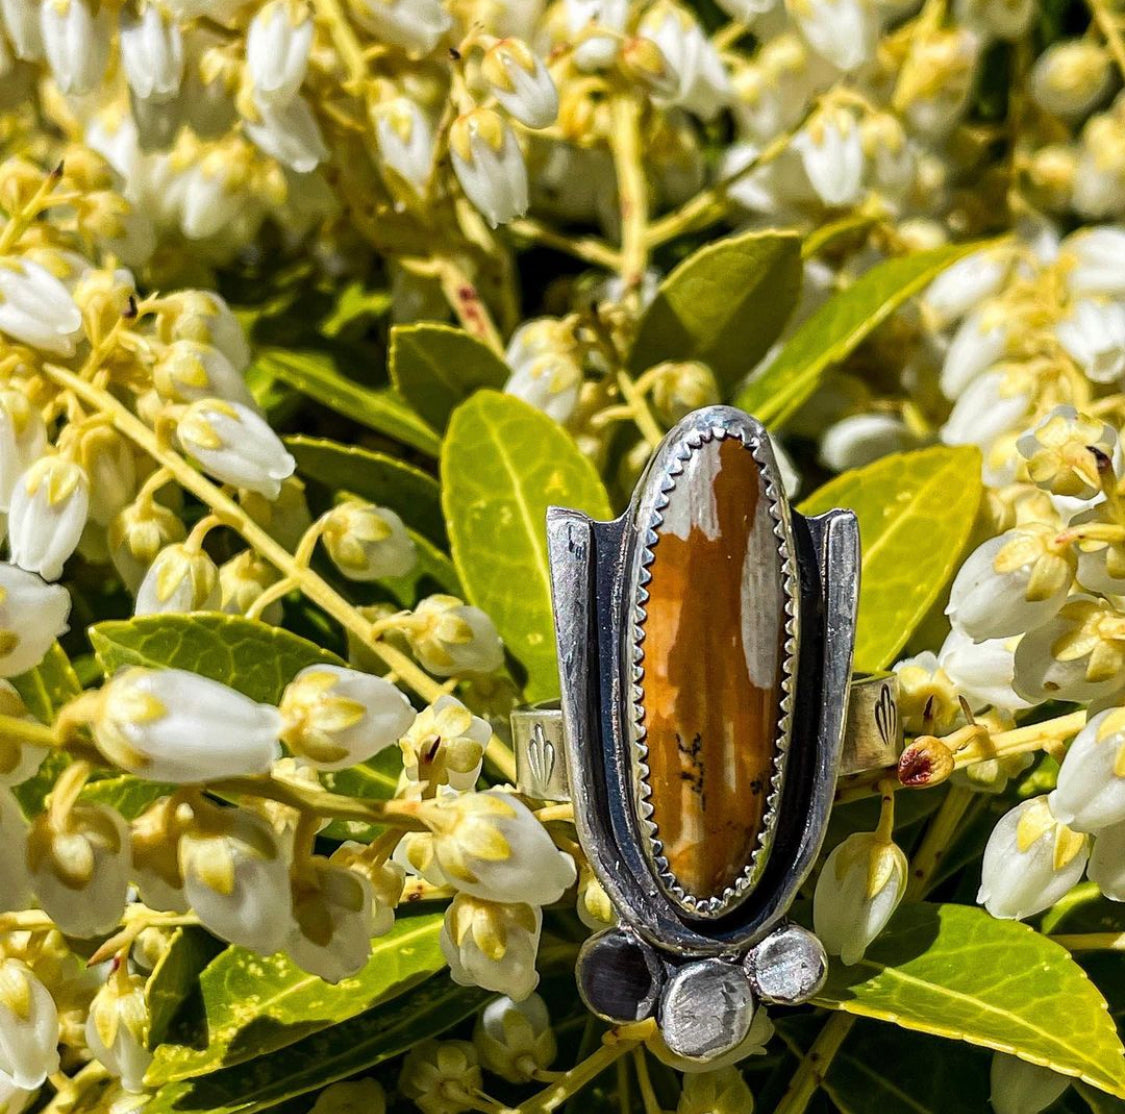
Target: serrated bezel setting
(652,498)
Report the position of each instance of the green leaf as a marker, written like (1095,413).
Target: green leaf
(175,977)
(325,1057)
(408,491)
(954,971)
(502,465)
(836,329)
(129,795)
(45,689)
(379,408)
(724,305)
(255,658)
(896,1071)
(252,1005)
(435,367)
(915,513)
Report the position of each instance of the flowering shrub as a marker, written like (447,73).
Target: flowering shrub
(310,308)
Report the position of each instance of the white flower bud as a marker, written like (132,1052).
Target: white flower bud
(36,309)
(445,745)
(211,195)
(967,283)
(1067,453)
(13,1099)
(1030,861)
(980,341)
(21,21)
(79,865)
(415,25)
(928,700)
(1099,178)
(492,945)
(1022,1088)
(48,513)
(861,438)
(242,580)
(860,886)
(277,50)
(336,717)
(29,1026)
(367,542)
(172,725)
(1070,77)
(152,51)
(982,672)
(1090,793)
(1003,19)
(514,1039)
(32,615)
(842,31)
(715,1092)
(117,1029)
(1091,261)
(288,132)
(236,878)
(1011,583)
(203,317)
(450,638)
(76,41)
(189,371)
(154,836)
(442,1077)
(385,881)
(521,83)
(23,439)
(831,151)
(110,465)
(18,760)
(992,405)
(583,18)
(235,445)
(1093,333)
(1106,868)
(701,83)
(1077,655)
(136,537)
(182,578)
(405,137)
(15,881)
(331,934)
(545,368)
(489,165)
(491,846)
(936,81)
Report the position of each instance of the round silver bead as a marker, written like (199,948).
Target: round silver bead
(788,967)
(706,1009)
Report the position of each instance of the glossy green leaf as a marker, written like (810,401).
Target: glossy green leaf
(435,367)
(408,491)
(502,465)
(45,689)
(895,1071)
(175,977)
(836,329)
(724,305)
(379,408)
(954,971)
(325,1057)
(915,513)
(252,1005)
(255,658)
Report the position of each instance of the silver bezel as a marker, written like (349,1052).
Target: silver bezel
(652,497)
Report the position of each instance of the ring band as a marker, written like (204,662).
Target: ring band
(873,737)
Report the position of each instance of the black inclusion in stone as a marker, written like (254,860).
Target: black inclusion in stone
(619,977)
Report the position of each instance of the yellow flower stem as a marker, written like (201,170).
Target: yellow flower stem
(343,36)
(587,248)
(232,515)
(1107,24)
(269,595)
(642,415)
(632,189)
(710,205)
(615,1044)
(71,1090)
(884,832)
(1035,736)
(727,36)
(644,1082)
(554,812)
(1092,941)
(319,802)
(20,222)
(29,731)
(814,1065)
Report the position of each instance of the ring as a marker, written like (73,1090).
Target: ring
(707,708)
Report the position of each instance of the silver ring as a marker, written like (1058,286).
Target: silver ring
(707,708)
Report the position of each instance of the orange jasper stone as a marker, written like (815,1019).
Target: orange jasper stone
(714,667)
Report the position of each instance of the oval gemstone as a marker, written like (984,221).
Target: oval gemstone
(714,672)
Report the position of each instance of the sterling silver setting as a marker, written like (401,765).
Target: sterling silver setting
(699,965)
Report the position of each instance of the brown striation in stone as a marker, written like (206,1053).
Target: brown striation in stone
(714,647)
